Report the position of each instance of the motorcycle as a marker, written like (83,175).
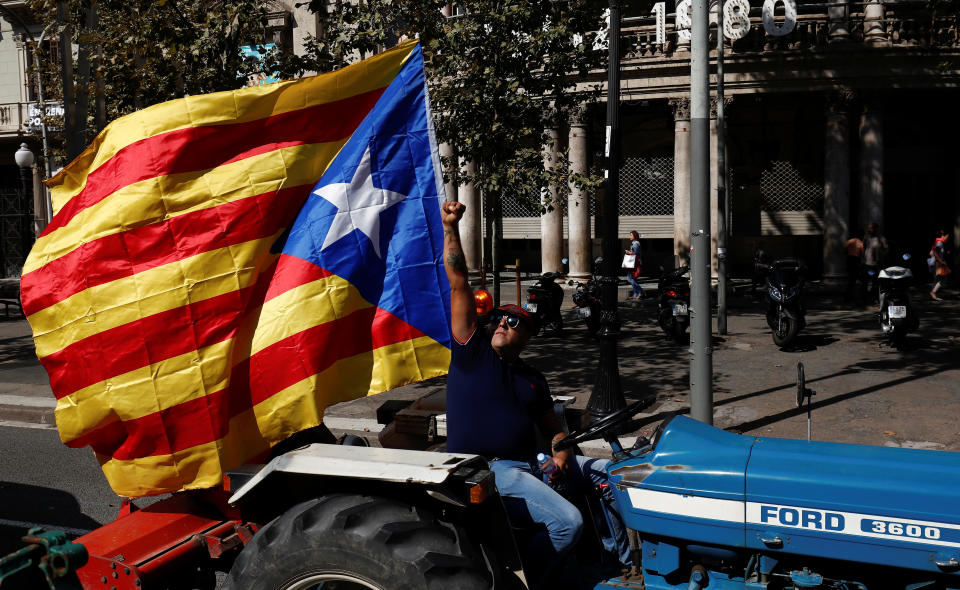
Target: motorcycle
(897,316)
(785,306)
(673,309)
(544,298)
(587,301)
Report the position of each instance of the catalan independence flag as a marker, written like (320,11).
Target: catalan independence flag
(221,268)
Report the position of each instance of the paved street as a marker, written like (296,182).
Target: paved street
(44,483)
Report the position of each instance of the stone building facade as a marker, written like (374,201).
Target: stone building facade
(850,118)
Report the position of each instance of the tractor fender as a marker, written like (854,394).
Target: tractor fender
(368,463)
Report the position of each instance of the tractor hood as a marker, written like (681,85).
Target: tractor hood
(879,505)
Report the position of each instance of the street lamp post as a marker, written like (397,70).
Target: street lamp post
(24,159)
(701,348)
(607,396)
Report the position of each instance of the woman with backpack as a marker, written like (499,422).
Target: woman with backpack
(939,255)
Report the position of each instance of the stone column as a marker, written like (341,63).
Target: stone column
(836,187)
(871,164)
(874,31)
(580,248)
(449,171)
(551,222)
(682,45)
(838,15)
(681,180)
(471,237)
(23,65)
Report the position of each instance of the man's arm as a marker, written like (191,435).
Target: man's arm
(463,309)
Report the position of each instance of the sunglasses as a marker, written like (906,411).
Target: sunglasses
(512,320)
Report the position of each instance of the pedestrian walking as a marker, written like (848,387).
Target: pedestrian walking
(941,269)
(874,251)
(633,275)
(854,260)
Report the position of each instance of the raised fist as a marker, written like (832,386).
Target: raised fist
(452,212)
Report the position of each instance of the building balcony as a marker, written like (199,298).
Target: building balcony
(14,118)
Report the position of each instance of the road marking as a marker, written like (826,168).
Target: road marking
(48,527)
(34,425)
(28,400)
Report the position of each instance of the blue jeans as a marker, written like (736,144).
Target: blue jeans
(637,289)
(532,503)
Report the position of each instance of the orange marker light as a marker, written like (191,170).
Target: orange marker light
(484,301)
(478,493)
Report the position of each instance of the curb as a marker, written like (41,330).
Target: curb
(27,409)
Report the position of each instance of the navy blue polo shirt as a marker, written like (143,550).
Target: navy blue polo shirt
(493,407)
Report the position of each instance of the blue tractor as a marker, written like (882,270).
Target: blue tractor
(704,508)
(713,509)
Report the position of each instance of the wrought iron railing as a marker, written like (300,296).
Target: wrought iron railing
(905,23)
(13,116)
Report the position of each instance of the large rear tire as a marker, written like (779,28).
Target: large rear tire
(787,333)
(353,542)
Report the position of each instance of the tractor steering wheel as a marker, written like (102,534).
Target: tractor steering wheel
(596,429)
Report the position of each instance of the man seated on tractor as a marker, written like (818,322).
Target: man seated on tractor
(495,401)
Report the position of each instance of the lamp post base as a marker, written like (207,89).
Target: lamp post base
(607,395)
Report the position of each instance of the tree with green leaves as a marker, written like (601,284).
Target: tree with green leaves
(135,54)
(500,73)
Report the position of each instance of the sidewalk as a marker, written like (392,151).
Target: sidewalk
(25,394)
(866,392)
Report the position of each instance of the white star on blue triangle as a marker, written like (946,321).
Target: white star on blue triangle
(359,204)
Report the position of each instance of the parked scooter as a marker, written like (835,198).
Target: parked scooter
(785,306)
(587,300)
(897,316)
(544,298)
(673,309)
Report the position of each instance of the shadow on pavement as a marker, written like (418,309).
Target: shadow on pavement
(22,506)
(17,351)
(936,366)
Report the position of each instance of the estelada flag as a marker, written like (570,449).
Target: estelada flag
(221,268)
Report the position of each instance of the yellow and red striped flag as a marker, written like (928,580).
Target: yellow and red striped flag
(214,278)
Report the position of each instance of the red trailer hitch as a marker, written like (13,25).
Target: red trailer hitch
(164,541)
